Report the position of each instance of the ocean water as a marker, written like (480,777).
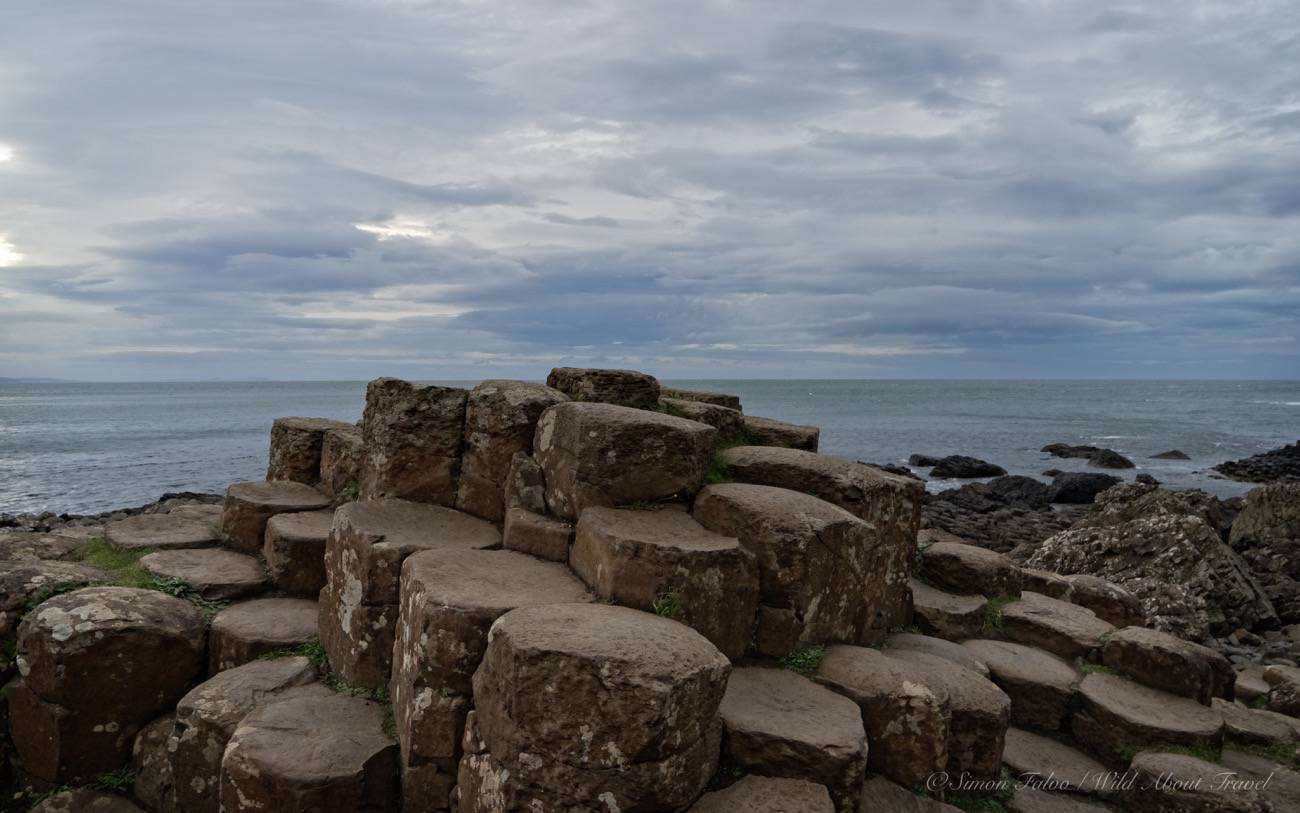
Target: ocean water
(84,448)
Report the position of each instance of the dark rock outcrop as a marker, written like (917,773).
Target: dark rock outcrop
(961,467)
(1080,487)
(1282,463)
(1267,535)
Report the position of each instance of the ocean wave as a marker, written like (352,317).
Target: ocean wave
(1278,403)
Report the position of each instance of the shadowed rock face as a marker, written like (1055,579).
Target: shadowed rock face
(1267,535)
(770,432)
(622,387)
(296,448)
(1162,661)
(413,437)
(1282,463)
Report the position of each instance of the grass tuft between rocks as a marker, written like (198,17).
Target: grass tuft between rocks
(313,650)
(805,661)
(993,613)
(668,605)
(1098,669)
(124,570)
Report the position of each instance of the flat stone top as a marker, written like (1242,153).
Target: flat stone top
(87,800)
(1149,707)
(765,794)
(22,579)
(955,652)
(830,465)
(605,632)
(927,596)
(1244,723)
(1032,800)
(1180,770)
(174,530)
(721,399)
(615,416)
(312,424)
(16,545)
(964,552)
(785,705)
(401,523)
(92,612)
(205,566)
(662,529)
(228,696)
(879,795)
(783,508)
(865,673)
(966,690)
(1068,618)
(1146,638)
(304,525)
(493,580)
(758,420)
(1027,753)
(273,619)
(311,734)
(284,494)
(1020,663)
(516,393)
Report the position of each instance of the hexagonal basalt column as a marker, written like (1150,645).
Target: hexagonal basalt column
(413,437)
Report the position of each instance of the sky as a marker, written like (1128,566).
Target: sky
(937,188)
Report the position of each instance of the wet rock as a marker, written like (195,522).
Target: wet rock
(1080,488)
(813,557)
(715,398)
(1018,491)
(1174,783)
(1160,660)
(1041,685)
(890,503)
(162,531)
(500,421)
(1108,600)
(249,505)
(1036,759)
(923,461)
(1267,535)
(311,749)
(955,652)
(962,467)
(763,794)
(537,535)
(596,454)
(1061,628)
(906,718)
(770,432)
(945,615)
(413,437)
(1116,716)
(295,551)
(206,718)
(666,562)
(244,632)
(968,570)
(779,723)
(342,452)
(1095,455)
(1282,463)
(1172,454)
(219,575)
(98,664)
(296,448)
(627,388)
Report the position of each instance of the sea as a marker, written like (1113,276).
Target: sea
(86,448)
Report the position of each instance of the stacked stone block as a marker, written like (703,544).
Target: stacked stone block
(413,436)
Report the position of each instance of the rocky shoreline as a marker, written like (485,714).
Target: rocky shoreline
(602,595)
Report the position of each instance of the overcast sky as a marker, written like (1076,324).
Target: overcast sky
(970,188)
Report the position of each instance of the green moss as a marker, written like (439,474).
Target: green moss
(718,472)
(1098,669)
(122,566)
(1286,754)
(668,605)
(311,649)
(805,661)
(184,590)
(993,613)
(119,781)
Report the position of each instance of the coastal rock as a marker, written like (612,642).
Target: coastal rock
(1242,724)
(525,484)
(250,505)
(923,461)
(296,448)
(311,749)
(1176,783)
(27,583)
(1284,689)
(968,570)
(779,723)
(1034,758)
(294,551)
(151,766)
(976,515)
(1095,455)
(218,575)
(537,535)
(500,421)
(770,432)
(86,800)
(945,615)
(1041,685)
(889,503)
(1132,501)
(814,558)
(1018,491)
(1282,463)
(886,795)
(763,794)
(1080,487)
(244,632)
(1172,454)
(627,388)
(1059,627)
(666,562)
(1108,600)
(1267,535)
(595,454)
(1160,660)
(730,423)
(357,637)
(162,531)
(1277,785)
(1047,583)
(1116,715)
(413,436)
(955,652)
(962,467)
(29,545)
(342,452)
(715,398)
(1110,459)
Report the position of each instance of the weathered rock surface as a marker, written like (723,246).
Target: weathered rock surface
(243,632)
(500,421)
(216,574)
(413,437)
(1175,783)
(979,713)
(1095,455)
(525,485)
(311,749)
(1080,487)
(1041,685)
(622,387)
(27,582)
(906,718)
(596,454)
(1052,585)
(1034,800)
(295,551)
(666,562)
(296,448)
(770,432)
(715,398)
(945,615)
(206,718)
(1242,724)
(357,637)
(1117,715)
(1108,600)
(814,558)
(955,652)
(730,423)
(1277,785)
(779,723)
(87,800)
(1161,661)
(1040,760)
(1250,685)
(151,765)
(537,535)
(1283,689)
(162,531)
(878,793)
(962,467)
(28,545)
(1267,535)
(968,570)
(98,664)
(1282,463)
(1059,627)
(763,794)
(890,503)
(249,505)
(342,453)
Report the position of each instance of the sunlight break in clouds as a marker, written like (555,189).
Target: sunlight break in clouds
(8,254)
(6,153)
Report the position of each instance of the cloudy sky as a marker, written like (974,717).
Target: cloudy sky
(969,188)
